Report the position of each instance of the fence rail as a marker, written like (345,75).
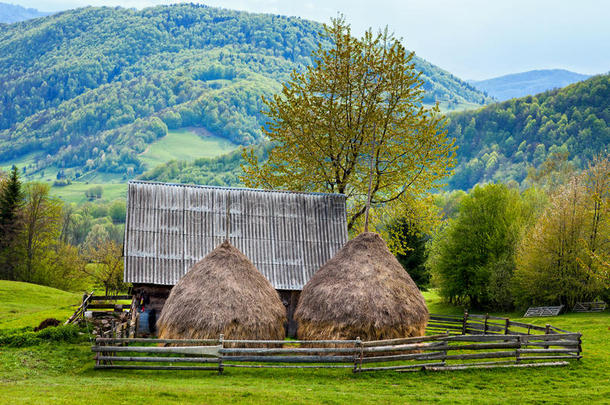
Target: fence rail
(465,341)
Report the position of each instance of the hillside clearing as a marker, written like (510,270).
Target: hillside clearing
(185,144)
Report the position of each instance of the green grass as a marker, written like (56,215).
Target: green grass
(185,144)
(75,192)
(25,304)
(63,373)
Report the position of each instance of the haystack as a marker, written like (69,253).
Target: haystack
(223,293)
(361,292)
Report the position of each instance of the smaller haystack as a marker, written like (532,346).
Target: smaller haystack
(223,293)
(361,292)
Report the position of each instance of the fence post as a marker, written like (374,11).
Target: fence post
(485,328)
(358,356)
(464,322)
(579,346)
(506,326)
(221,340)
(518,350)
(547,330)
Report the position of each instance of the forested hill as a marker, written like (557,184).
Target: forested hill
(87,90)
(10,13)
(499,142)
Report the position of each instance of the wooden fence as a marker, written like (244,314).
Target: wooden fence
(468,341)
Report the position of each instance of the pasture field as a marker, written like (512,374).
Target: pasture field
(75,192)
(63,373)
(185,144)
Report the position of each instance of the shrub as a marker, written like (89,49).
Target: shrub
(24,337)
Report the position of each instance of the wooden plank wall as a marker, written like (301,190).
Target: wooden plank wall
(288,236)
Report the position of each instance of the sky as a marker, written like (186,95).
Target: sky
(473,39)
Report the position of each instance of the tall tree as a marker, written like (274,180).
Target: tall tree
(564,258)
(359,103)
(472,258)
(107,264)
(11,200)
(41,228)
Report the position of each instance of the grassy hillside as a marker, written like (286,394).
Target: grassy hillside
(527,83)
(63,373)
(185,144)
(89,90)
(499,142)
(220,171)
(25,304)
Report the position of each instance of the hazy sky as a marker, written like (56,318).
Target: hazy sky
(474,39)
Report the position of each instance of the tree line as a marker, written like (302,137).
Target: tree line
(547,245)
(45,241)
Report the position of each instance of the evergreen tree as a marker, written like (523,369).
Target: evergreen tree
(11,199)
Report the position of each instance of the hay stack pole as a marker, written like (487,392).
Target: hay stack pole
(368,195)
(363,292)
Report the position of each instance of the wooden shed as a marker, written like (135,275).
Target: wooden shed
(287,235)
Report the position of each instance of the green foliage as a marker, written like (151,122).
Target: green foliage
(353,123)
(21,338)
(409,246)
(472,258)
(11,200)
(88,89)
(564,258)
(94,192)
(500,142)
(117,211)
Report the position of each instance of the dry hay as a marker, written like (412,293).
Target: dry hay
(223,294)
(363,291)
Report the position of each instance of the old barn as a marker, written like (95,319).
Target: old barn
(287,235)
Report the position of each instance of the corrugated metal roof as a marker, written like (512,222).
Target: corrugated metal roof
(287,235)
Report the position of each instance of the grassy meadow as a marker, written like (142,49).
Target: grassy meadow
(63,373)
(185,144)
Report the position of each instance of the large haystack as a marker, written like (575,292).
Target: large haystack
(362,291)
(223,293)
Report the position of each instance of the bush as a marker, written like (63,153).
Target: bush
(24,337)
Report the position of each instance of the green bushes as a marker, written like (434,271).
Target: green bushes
(505,248)
(472,257)
(23,337)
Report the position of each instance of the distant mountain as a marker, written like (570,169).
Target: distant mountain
(501,141)
(528,83)
(88,90)
(10,13)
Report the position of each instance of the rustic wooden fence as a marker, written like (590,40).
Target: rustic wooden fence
(468,341)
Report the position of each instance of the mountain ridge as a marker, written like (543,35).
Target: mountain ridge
(87,90)
(12,13)
(522,84)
